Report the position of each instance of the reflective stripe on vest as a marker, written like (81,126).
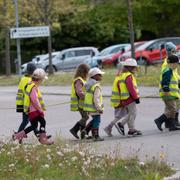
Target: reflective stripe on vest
(88,102)
(123,88)
(115,96)
(173,86)
(20,93)
(76,103)
(27,98)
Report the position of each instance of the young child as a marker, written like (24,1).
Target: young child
(129,96)
(34,107)
(93,102)
(171,50)
(77,98)
(169,92)
(119,112)
(20,95)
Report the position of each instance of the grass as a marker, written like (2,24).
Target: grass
(62,161)
(151,78)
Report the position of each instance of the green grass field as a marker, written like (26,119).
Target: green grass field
(62,161)
(151,78)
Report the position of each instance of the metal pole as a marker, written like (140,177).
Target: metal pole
(18,40)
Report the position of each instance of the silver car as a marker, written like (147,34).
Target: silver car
(67,59)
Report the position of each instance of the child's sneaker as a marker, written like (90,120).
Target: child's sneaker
(108,131)
(134,133)
(120,128)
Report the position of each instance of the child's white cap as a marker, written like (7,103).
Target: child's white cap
(39,74)
(129,62)
(95,71)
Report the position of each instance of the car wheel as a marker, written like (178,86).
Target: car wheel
(47,69)
(142,61)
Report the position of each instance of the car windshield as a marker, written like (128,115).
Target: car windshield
(110,50)
(144,46)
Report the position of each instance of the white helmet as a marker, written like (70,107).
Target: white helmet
(39,74)
(94,71)
(129,62)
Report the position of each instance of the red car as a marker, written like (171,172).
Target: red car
(116,53)
(152,52)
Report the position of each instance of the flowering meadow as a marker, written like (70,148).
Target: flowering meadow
(72,162)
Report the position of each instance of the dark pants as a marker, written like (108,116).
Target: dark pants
(84,117)
(96,121)
(34,125)
(24,122)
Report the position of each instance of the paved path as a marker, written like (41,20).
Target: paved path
(66,90)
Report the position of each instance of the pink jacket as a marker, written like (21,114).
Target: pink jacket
(35,108)
(132,91)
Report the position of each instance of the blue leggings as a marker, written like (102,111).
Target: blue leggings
(96,121)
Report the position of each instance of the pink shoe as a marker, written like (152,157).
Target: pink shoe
(43,139)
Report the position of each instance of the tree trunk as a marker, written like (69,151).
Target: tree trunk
(131,29)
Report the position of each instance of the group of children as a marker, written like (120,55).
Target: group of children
(87,99)
(124,98)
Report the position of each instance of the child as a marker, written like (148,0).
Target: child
(119,112)
(129,96)
(34,107)
(170,50)
(169,92)
(20,95)
(93,102)
(77,98)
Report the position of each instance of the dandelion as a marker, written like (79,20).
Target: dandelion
(48,150)
(59,153)
(46,166)
(162,155)
(141,163)
(8,153)
(74,158)
(60,164)
(11,165)
(82,153)
(49,157)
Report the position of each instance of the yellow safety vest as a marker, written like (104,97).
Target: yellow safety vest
(115,95)
(89,102)
(27,97)
(77,103)
(165,65)
(173,86)
(123,88)
(20,94)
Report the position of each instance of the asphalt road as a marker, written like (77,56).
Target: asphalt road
(60,119)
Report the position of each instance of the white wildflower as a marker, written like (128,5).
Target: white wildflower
(60,164)
(48,156)
(74,158)
(11,165)
(48,150)
(46,166)
(141,163)
(59,153)
(82,153)
(8,153)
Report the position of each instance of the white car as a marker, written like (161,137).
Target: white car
(67,59)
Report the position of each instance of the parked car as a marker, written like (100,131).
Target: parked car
(37,59)
(68,58)
(110,54)
(151,51)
